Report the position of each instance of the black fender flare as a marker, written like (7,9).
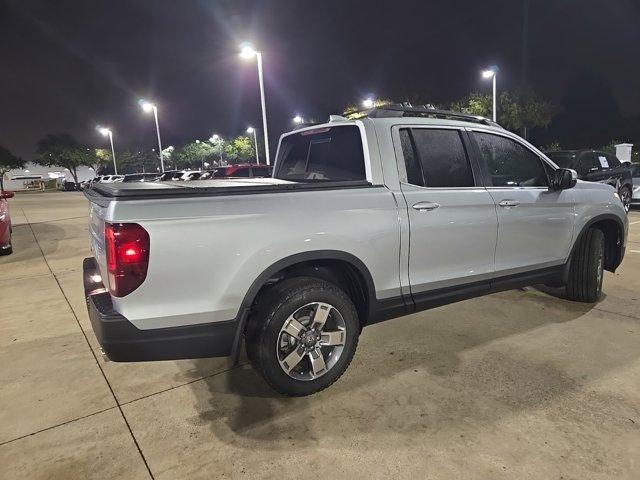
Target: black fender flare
(583,231)
(290,261)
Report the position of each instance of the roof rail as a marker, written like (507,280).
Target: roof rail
(424,111)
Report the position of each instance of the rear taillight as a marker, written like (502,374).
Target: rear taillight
(127,246)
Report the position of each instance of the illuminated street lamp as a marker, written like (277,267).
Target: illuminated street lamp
(108,133)
(251,130)
(298,120)
(248,52)
(215,138)
(368,103)
(491,73)
(148,108)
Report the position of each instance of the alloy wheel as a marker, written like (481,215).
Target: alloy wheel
(311,341)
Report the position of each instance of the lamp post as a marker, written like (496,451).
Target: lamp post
(148,108)
(250,131)
(215,138)
(248,52)
(107,132)
(491,73)
(298,120)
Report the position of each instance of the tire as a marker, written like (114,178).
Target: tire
(269,346)
(625,197)
(587,268)
(8,250)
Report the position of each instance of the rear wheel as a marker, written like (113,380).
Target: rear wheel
(625,198)
(302,335)
(586,271)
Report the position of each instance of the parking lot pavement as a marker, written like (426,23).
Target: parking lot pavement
(516,384)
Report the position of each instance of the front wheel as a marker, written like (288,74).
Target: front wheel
(587,268)
(302,335)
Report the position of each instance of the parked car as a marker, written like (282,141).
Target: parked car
(141,177)
(69,186)
(244,170)
(189,175)
(597,166)
(170,175)
(363,220)
(635,174)
(6,247)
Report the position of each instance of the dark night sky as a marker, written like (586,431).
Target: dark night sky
(69,65)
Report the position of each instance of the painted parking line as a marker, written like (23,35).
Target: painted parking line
(633,223)
(634,251)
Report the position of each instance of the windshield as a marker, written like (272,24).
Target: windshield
(322,154)
(563,159)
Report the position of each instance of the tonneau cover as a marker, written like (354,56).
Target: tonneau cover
(208,187)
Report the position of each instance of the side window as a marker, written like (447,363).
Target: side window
(435,158)
(612,160)
(511,164)
(587,163)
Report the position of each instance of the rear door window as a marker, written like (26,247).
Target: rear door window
(435,158)
(322,154)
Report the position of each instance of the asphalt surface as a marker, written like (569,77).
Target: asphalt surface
(520,384)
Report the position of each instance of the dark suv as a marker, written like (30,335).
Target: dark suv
(597,166)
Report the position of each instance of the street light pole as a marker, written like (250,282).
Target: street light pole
(150,107)
(113,152)
(107,132)
(494,97)
(155,116)
(264,108)
(492,73)
(255,141)
(247,51)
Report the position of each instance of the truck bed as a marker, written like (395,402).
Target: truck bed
(146,190)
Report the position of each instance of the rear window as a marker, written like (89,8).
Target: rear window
(324,154)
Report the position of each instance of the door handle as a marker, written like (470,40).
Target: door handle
(509,203)
(426,206)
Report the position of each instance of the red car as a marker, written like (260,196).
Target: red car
(5,223)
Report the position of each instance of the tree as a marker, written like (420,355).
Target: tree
(63,151)
(8,161)
(353,111)
(553,147)
(193,155)
(611,147)
(240,150)
(517,111)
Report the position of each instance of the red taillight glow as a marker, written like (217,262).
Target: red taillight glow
(127,248)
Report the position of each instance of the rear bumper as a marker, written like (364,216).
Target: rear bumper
(124,342)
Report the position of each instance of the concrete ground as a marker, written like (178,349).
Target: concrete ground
(519,384)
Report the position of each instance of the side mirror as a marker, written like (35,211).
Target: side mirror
(6,194)
(565,178)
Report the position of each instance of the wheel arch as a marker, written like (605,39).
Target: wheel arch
(337,266)
(613,230)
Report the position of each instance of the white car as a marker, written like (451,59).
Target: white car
(112,179)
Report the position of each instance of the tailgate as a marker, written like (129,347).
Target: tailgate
(96,231)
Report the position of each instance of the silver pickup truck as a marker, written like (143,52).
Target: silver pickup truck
(364,220)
